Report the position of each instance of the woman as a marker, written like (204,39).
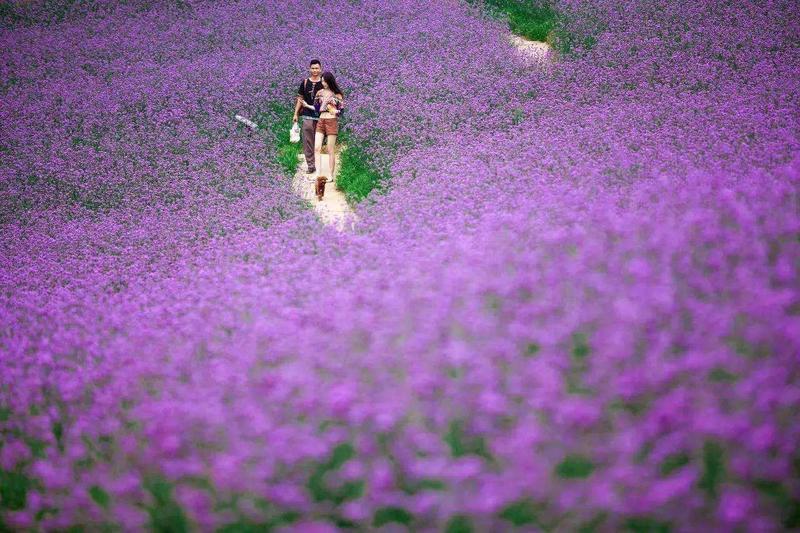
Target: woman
(328,104)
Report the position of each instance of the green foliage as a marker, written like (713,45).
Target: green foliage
(277,119)
(579,353)
(36,446)
(532,19)
(243,527)
(462,444)
(531,349)
(316,482)
(7,12)
(357,175)
(58,433)
(459,524)
(645,524)
(580,346)
(100,496)
(713,468)
(415,486)
(287,156)
(539,20)
(575,467)
(787,504)
(166,516)
(673,462)
(386,515)
(14,488)
(280,520)
(595,524)
(521,513)
(721,375)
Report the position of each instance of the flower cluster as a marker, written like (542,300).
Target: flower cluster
(576,304)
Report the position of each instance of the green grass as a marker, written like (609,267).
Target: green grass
(357,176)
(319,489)
(714,471)
(574,467)
(387,515)
(570,32)
(532,19)
(277,119)
(521,513)
(459,524)
(14,487)
(645,524)
(462,444)
(165,513)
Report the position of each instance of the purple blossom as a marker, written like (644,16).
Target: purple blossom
(577,301)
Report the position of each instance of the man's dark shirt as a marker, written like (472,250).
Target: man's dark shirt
(308,90)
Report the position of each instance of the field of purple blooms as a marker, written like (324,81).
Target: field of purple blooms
(574,306)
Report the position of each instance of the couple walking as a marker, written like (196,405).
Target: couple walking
(319,102)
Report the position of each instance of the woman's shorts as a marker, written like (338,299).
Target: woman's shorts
(328,126)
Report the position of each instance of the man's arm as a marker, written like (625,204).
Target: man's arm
(297,103)
(297,107)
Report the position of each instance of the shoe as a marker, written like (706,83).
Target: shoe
(311,170)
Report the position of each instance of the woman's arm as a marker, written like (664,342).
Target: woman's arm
(333,105)
(301,102)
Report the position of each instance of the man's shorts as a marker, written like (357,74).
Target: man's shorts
(328,126)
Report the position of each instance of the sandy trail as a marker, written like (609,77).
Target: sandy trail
(536,51)
(333,209)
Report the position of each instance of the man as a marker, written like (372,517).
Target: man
(306,93)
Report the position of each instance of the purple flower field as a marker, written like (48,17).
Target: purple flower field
(575,305)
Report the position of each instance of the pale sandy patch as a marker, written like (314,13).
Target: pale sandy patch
(333,209)
(535,51)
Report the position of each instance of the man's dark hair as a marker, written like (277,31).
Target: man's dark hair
(315,62)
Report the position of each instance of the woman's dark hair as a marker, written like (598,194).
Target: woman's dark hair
(331,81)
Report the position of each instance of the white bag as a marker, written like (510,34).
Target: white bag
(294,133)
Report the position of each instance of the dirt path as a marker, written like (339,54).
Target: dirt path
(333,209)
(536,51)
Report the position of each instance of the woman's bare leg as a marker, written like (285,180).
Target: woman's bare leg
(318,152)
(332,154)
